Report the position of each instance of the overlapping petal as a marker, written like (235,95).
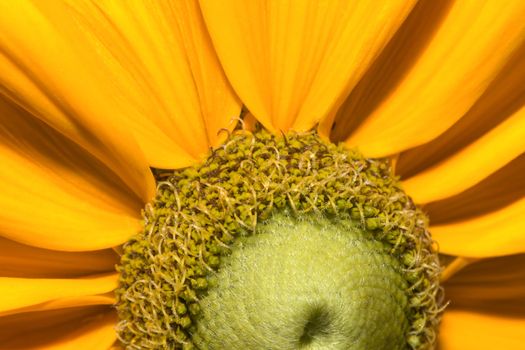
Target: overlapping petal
(30,294)
(52,74)
(387,70)
(487,305)
(55,195)
(496,191)
(493,285)
(292,62)
(23,261)
(497,233)
(462,330)
(484,220)
(487,296)
(472,164)
(503,98)
(65,329)
(93,69)
(466,53)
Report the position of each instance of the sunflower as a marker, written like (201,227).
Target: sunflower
(100,100)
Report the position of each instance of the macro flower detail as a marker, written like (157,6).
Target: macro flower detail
(379,259)
(181,174)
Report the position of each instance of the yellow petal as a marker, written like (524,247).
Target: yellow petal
(292,62)
(55,195)
(502,98)
(169,59)
(490,285)
(19,260)
(494,234)
(143,67)
(98,334)
(67,302)
(71,106)
(472,164)
(467,52)
(461,330)
(387,70)
(88,328)
(498,190)
(23,294)
(457,264)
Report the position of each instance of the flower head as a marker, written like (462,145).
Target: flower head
(93,95)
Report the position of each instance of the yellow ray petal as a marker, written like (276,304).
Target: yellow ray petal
(19,260)
(89,328)
(472,164)
(67,302)
(73,110)
(97,334)
(494,234)
(461,330)
(144,67)
(490,285)
(498,190)
(41,210)
(20,294)
(503,97)
(55,195)
(168,57)
(106,141)
(387,70)
(292,62)
(457,264)
(467,52)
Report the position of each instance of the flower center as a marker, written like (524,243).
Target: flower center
(280,243)
(305,283)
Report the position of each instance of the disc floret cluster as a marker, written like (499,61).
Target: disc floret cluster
(200,211)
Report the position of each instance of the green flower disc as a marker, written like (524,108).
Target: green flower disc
(280,242)
(305,283)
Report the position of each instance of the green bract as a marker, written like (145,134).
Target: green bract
(176,288)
